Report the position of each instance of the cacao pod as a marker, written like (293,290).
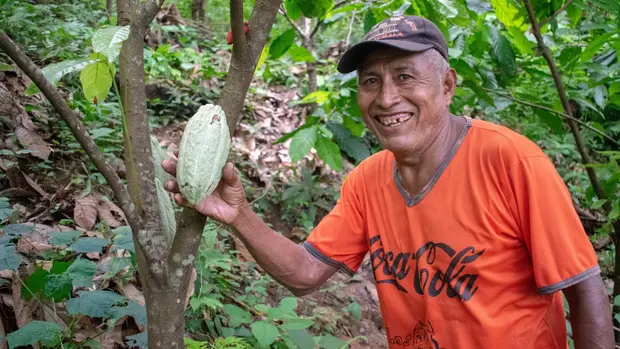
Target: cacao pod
(166,212)
(203,152)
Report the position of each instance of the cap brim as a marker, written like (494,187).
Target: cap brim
(352,57)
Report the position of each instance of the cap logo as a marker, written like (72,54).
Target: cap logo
(386,29)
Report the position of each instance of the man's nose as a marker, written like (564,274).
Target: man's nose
(388,95)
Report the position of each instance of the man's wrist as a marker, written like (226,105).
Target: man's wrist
(244,213)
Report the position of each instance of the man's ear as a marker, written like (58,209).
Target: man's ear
(449,85)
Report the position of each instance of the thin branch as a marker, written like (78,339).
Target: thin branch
(319,23)
(299,31)
(236,24)
(75,124)
(350,29)
(585,156)
(534,105)
(556,13)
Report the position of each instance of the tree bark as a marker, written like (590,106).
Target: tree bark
(108,6)
(198,10)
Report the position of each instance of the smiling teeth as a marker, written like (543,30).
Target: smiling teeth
(394,120)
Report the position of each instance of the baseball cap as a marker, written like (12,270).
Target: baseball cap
(409,33)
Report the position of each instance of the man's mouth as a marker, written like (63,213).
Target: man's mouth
(393,120)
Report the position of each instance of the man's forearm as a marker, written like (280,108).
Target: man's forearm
(289,263)
(590,315)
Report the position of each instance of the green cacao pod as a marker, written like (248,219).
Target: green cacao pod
(203,153)
(166,212)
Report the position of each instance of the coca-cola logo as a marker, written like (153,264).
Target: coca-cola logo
(452,278)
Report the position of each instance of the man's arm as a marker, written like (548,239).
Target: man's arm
(590,314)
(288,263)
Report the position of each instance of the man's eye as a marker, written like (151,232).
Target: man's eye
(370,81)
(404,77)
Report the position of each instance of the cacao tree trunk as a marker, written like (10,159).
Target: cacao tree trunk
(108,6)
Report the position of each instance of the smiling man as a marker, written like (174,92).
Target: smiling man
(471,232)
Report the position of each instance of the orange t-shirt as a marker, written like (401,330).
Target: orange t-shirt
(473,261)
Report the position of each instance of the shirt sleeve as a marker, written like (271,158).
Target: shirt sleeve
(562,255)
(340,238)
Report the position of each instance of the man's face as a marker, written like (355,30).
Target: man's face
(401,99)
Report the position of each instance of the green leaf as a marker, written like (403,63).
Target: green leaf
(263,57)
(81,272)
(96,79)
(89,244)
(356,128)
(133,309)
(318,97)
(521,42)
(237,315)
(302,142)
(300,54)
(9,258)
(288,304)
(264,332)
(292,10)
(34,284)
(552,120)
(503,54)
(94,303)
(54,72)
(506,12)
(17,229)
(63,238)
(574,14)
(329,152)
(296,324)
(355,309)
(597,205)
(369,21)
(330,342)
(480,41)
(281,44)
(594,46)
(108,41)
(314,8)
(614,88)
(58,287)
(123,238)
(48,333)
(302,338)
(351,145)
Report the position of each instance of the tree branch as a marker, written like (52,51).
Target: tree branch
(240,73)
(140,170)
(299,31)
(585,156)
(319,23)
(77,128)
(149,10)
(236,24)
(530,104)
(556,13)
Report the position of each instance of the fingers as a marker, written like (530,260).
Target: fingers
(172,186)
(170,166)
(230,174)
(178,198)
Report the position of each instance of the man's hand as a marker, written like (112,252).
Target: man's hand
(226,201)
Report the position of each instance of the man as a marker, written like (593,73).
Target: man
(471,232)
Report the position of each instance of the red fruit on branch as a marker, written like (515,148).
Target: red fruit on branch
(229,38)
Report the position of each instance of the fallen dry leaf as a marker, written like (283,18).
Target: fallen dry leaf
(131,291)
(32,140)
(85,212)
(108,212)
(35,186)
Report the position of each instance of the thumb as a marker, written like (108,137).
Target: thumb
(230,175)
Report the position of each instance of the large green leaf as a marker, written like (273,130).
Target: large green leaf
(612,6)
(330,342)
(292,10)
(108,41)
(133,309)
(34,284)
(521,42)
(503,54)
(48,333)
(329,152)
(54,72)
(123,238)
(81,272)
(552,120)
(64,238)
(237,315)
(302,338)
(506,12)
(265,333)
(9,258)
(350,144)
(89,244)
(314,8)
(369,21)
(318,97)
(5,208)
(614,88)
(300,54)
(96,79)
(297,324)
(94,303)
(58,287)
(302,142)
(574,14)
(594,46)
(281,44)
